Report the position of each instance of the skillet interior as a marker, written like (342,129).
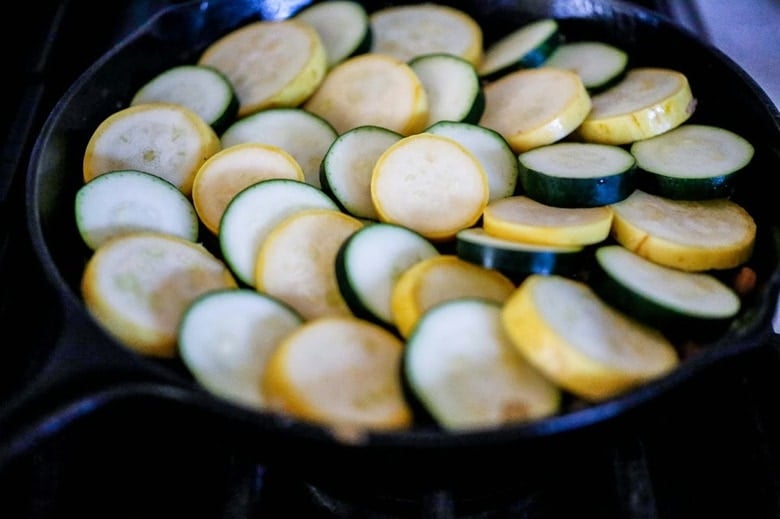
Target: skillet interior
(726,97)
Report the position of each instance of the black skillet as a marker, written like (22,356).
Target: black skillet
(86,370)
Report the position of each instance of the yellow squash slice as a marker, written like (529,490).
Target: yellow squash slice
(442,278)
(534,107)
(164,139)
(409,31)
(523,219)
(371,89)
(645,103)
(584,345)
(339,371)
(269,63)
(137,286)
(691,235)
(431,184)
(234,168)
(296,263)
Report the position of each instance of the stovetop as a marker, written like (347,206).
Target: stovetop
(713,449)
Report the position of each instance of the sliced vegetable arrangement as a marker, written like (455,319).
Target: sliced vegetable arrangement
(500,230)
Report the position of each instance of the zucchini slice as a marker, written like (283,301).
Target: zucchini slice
(204,90)
(692,235)
(676,302)
(408,31)
(462,366)
(599,64)
(296,261)
(577,174)
(300,133)
(125,201)
(342,26)
(164,139)
(369,263)
(346,169)
(526,47)
(270,63)
(138,286)
(431,184)
(581,343)
(534,107)
(645,103)
(253,212)
(490,149)
(232,169)
(341,372)
(692,161)
(517,259)
(452,86)
(524,219)
(371,89)
(225,338)
(442,278)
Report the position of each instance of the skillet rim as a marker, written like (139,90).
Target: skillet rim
(753,335)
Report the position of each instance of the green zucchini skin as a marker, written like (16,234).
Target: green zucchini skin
(674,323)
(303,134)
(477,109)
(577,192)
(350,159)
(457,81)
(517,261)
(251,214)
(490,148)
(642,309)
(534,57)
(600,64)
(129,200)
(721,186)
(340,42)
(692,162)
(209,93)
(383,251)
(581,188)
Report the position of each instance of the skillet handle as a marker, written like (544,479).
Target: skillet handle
(82,368)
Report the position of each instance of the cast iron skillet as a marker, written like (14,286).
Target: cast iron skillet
(87,370)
